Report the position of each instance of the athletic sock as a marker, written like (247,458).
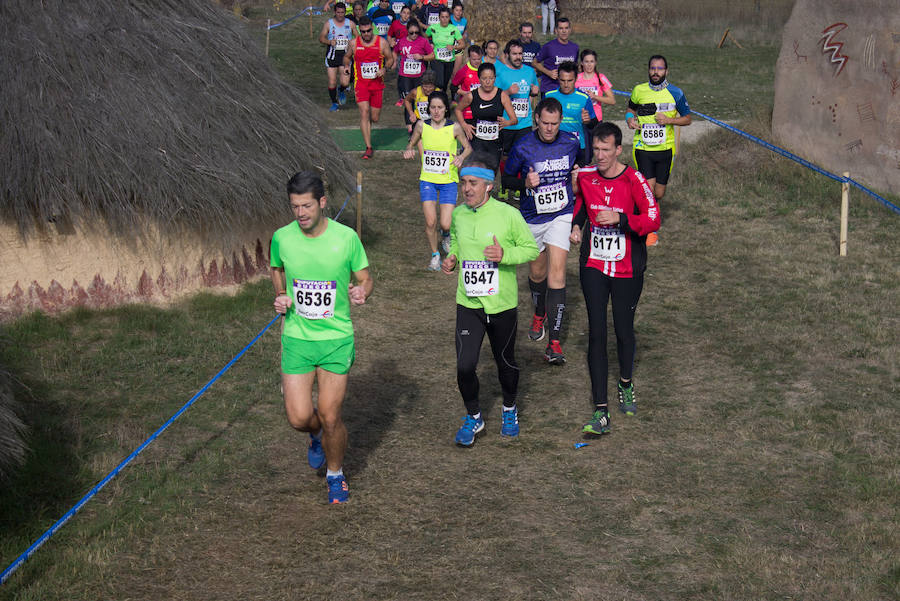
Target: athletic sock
(505,408)
(538,296)
(603,406)
(556,300)
(332,474)
(332,93)
(625,384)
(477,415)
(445,233)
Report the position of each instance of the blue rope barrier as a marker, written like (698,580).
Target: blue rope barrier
(65,518)
(338,216)
(790,155)
(309,10)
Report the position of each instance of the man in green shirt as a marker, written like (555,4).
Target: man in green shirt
(312,261)
(488,239)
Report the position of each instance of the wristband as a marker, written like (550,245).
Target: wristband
(282,293)
(629,115)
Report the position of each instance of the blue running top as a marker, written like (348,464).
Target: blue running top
(553,161)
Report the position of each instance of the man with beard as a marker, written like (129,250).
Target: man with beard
(371,57)
(654,109)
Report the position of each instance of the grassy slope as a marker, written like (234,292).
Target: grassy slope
(762,464)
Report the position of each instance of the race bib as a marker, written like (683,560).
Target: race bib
(382,28)
(665,107)
(412,66)
(314,299)
(480,278)
(607,243)
(487,130)
(520,107)
(397,7)
(475,86)
(551,198)
(369,70)
(341,43)
(434,18)
(589,89)
(436,162)
(653,134)
(422,107)
(443,54)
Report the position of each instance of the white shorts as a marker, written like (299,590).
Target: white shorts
(555,233)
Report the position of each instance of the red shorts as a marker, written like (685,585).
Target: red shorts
(372,95)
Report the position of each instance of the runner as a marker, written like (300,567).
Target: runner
(491,51)
(466,79)
(382,15)
(621,211)
(398,5)
(359,11)
(399,27)
(371,57)
(412,51)
(446,39)
(530,48)
(314,262)
(541,164)
(520,83)
(429,14)
(439,177)
(489,239)
(335,36)
(658,106)
(461,23)
(553,54)
(416,104)
(578,110)
(487,104)
(599,90)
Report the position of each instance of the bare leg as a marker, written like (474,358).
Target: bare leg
(429,207)
(332,388)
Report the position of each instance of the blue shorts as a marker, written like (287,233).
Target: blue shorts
(444,194)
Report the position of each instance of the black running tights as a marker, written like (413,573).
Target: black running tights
(471,326)
(625,292)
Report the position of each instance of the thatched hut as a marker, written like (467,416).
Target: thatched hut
(144,146)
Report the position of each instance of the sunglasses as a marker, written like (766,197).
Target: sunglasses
(369,30)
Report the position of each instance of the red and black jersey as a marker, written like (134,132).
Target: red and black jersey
(618,251)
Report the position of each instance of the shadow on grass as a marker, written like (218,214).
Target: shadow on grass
(370,411)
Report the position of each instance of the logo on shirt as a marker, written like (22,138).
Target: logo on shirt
(552,165)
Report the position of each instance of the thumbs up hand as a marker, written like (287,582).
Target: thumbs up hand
(494,252)
(533,179)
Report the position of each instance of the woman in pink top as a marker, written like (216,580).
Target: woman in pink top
(594,84)
(412,53)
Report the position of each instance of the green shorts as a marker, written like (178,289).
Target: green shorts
(303,356)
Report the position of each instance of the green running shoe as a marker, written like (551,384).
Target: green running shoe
(599,423)
(627,400)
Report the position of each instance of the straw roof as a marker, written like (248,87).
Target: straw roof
(117,110)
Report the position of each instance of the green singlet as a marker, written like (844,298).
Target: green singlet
(317,275)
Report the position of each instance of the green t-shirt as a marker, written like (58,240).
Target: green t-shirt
(317,275)
(441,37)
(483,284)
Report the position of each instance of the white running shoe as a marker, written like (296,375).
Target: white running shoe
(435,263)
(445,245)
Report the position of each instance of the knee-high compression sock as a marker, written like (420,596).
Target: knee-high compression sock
(556,303)
(538,296)
(332,93)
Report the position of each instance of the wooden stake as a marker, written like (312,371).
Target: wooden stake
(310,22)
(359,204)
(724,35)
(677,138)
(845,212)
(268,24)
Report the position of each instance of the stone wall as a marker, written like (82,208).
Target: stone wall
(837,88)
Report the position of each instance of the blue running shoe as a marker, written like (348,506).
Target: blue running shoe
(338,491)
(334,107)
(466,434)
(315,454)
(510,425)
(342,97)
